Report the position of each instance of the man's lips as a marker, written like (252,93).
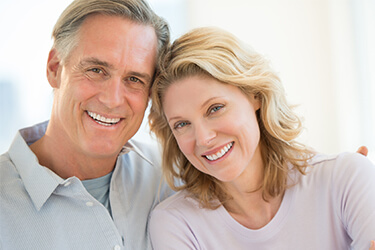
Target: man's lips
(103,120)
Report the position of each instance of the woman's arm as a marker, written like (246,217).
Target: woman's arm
(354,188)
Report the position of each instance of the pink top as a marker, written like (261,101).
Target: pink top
(332,207)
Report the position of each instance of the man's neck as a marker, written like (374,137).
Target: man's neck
(67,162)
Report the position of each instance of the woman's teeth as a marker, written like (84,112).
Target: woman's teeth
(220,153)
(103,120)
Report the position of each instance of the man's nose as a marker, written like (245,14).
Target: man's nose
(113,93)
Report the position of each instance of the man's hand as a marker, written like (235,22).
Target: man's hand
(364,151)
(372,247)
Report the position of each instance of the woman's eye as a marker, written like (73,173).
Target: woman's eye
(180,125)
(215,109)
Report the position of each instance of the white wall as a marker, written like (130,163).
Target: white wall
(26,96)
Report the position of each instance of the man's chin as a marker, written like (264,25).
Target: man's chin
(104,150)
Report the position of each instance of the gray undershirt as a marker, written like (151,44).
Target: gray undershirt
(99,189)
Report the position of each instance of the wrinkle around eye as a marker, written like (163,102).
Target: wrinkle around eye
(95,73)
(135,80)
(136,83)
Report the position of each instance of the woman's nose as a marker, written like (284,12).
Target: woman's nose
(204,134)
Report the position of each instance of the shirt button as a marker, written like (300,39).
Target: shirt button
(117,247)
(89,204)
(67,183)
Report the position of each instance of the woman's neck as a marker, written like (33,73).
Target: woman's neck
(248,205)
(251,210)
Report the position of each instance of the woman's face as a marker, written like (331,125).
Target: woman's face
(215,126)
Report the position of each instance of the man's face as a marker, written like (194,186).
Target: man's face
(102,90)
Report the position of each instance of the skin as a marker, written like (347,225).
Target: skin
(363,150)
(109,74)
(205,116)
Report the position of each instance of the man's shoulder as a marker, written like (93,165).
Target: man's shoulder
(6,166)
(139,166)
(141,159)
(146,151)
(147,146)
(9,176)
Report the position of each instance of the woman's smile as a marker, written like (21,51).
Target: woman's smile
(224,151)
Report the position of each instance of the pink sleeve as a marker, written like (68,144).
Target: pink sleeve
(354,179)
(169,230)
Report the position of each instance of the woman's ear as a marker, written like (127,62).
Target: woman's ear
(256,101)
(53,66)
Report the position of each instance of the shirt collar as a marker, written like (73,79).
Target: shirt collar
(38,182)
(131,146)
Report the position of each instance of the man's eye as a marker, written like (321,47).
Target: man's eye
(135,83)
(96,74)
(96,70)
(134,79)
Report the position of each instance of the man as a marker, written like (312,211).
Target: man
(70,183)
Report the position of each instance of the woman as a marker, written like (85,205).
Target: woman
(229,147)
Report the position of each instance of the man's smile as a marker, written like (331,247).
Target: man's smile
(103,120)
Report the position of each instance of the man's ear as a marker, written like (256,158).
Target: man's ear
(53,66)
(149,92)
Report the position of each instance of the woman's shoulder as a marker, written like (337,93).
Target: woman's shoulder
(339,168)
(179,211)
(342,161)
(178,201)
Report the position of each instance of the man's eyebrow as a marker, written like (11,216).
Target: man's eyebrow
(95,61)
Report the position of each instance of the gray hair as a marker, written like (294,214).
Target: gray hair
(68,25)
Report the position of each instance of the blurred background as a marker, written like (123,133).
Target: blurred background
(324,51)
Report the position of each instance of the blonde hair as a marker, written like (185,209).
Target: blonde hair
(218,54)
(65,31)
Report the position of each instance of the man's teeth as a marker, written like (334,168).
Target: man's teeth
(220,153)
(103,120)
